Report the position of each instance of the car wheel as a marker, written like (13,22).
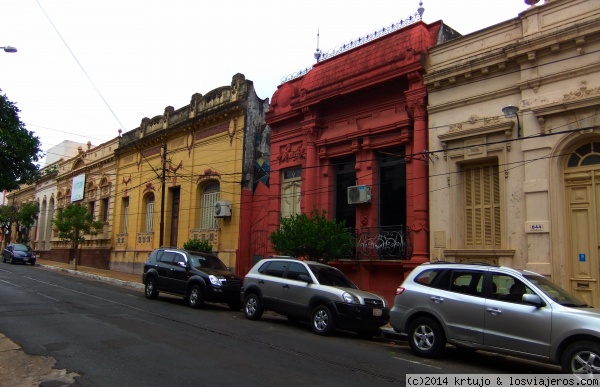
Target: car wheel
(252,307)
(235,305)
(321,320)
(582,357)
(195,298)
(3,259)
(151,290)
(10,260)
(426,337)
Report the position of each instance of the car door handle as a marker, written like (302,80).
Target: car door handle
(286,287)
(437,299)
(494,311)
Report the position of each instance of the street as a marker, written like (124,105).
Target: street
(108,335)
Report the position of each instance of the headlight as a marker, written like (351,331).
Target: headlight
(350,298)
(214,280)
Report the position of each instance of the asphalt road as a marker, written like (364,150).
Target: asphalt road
(78,331)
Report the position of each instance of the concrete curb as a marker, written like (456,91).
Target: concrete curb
(390,333)
(134,285)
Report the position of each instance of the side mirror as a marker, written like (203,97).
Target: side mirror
(305,278)
(533,299)
(181,264)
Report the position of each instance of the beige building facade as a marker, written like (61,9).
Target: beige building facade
(94,167)
(520,190)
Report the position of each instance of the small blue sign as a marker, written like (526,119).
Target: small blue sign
(581,257)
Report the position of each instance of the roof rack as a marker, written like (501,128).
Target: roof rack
(462,263)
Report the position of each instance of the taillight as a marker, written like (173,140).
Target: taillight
(399,290)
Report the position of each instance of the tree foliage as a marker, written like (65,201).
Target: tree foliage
(201,245)
(312,237)
(8,215)
(74,221)
(20,148)
(23,215)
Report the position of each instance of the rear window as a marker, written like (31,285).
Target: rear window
(273,268)
(426,277)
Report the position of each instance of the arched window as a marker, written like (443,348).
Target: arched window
(149,213)
(585,155)
(210,195)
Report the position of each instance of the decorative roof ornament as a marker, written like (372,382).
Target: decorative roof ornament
(420,10)
(318,52)
(376,34)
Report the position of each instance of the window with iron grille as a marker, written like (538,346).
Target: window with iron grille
(149,224)
(210,196)
(291,188)
(482,206)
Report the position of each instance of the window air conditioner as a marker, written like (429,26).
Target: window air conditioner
(222,209)
(359,194)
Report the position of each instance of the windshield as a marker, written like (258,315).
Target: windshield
(555,292)
(199,261)
(331,276)
(21,248)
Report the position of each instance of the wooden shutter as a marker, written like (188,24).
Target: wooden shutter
(482,206)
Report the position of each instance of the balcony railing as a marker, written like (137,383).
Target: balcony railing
(384,243)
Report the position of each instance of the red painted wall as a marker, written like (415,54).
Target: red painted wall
(357,103)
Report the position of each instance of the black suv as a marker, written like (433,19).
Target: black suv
(196,276)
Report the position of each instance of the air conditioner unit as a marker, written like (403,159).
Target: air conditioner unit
(359,194)
(222,209)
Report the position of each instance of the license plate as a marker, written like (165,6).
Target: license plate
(377,312)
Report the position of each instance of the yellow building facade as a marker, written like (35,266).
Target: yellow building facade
(180,176)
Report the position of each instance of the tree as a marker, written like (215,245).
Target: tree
(8,215)
(27,214)
(20,148)
(73,222)
(23,215)
(313,237)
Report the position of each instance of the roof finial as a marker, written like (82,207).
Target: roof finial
(318,52)
(420,10)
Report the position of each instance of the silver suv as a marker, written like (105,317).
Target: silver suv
(497,309)
(306,290)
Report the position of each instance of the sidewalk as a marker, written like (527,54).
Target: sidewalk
(135,281)
(125,279)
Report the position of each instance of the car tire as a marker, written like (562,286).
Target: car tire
(252,307)
(3,259)
(581,357)
(10,260)
(151,290)
(426,338)
(321,320)
(195,297)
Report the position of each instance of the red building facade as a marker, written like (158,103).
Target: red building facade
(356,122)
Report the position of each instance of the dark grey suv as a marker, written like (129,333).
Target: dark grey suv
(305,290)
(497,309)
(196,276)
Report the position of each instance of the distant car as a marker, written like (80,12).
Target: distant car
(196,276)
(314,292)
(18,253)
(496,309)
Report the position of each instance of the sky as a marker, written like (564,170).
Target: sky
(87,68)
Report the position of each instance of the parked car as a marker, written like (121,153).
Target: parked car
(497,309)
(196,276)
(314,292)
(18,253)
